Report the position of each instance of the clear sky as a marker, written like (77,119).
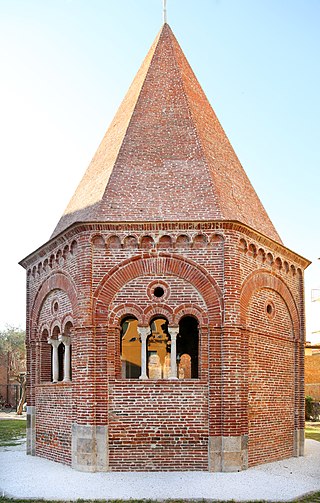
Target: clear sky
(66,65)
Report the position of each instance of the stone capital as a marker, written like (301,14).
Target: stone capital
(144,332)
(54,342)
(65,339)
(173,331)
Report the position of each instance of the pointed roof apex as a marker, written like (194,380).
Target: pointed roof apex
(165,155)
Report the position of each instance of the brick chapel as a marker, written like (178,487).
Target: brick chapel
(165,318)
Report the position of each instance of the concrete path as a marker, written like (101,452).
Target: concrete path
(24,476)
(11,414)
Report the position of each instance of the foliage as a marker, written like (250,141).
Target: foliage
(12,339)
(309,401)
(12,347)
(312,409)
(12,431)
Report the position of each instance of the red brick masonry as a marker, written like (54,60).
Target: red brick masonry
(166,202)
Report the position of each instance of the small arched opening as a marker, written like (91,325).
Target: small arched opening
(67,342)
(130,348)
(159,349)
(188,348)
(45,357)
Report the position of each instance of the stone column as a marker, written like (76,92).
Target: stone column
(144,332)
(173,331)
(55,360)
(66,340)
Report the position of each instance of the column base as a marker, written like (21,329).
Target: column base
(228,454)
(299,442)
(90,450)
(215,454)
(31,430)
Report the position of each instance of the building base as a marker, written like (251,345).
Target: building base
(228,454)
(89,447)
(31,430)
(299,442)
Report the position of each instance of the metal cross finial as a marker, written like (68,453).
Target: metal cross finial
(164,11)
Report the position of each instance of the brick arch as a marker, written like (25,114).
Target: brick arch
(119,312)
(160,264)
(55,323)
(68,318)
(44,327)
(264,279)
(57,281)
(158,310)
(190,310)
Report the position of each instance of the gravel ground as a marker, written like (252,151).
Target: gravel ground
(24,476)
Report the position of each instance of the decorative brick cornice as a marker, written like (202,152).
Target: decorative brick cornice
(63,239)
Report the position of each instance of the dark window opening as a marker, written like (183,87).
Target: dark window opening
(45,358)
(68,332)
(158,291)
(61,351)
(188,348)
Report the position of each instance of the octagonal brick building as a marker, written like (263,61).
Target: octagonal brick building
(165,317)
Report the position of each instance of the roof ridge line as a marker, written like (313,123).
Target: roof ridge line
(156,42)
(197,135)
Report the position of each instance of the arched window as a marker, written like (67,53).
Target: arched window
(45,357)
(158,350)
(130,343)
(61,351)
(61,354)
(68,348)
(55,356)
(188,348)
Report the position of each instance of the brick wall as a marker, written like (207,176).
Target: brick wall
(271,379)
(158,426)
(55,415)
(245,291)
(312,370)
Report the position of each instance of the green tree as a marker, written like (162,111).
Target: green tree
(13,339)
(13,351)
(12,363)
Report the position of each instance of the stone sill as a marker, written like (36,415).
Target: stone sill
(159,382)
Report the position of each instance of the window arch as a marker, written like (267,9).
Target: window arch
(61,354)
(159,351)
(188,348)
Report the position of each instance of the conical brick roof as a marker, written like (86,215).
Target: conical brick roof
(165,155)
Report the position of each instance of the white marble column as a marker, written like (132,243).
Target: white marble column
(66,340)
(55,359)
(173,332)
(144,332)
